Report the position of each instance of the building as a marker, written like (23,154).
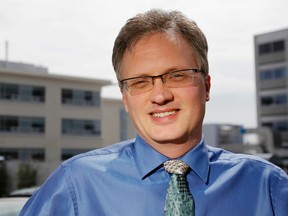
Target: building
(271,72)
(223,134)
(260,141)
(47,118)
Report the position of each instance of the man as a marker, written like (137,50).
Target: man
(160,59)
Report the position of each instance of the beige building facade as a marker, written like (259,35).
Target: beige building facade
(47,118)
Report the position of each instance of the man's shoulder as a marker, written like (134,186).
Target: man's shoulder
(222,156)
(102,154)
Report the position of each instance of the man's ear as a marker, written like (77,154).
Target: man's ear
(207,87)
(124,99)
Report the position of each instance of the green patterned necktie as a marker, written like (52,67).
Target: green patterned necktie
(179,200)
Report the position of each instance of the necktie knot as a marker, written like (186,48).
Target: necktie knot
(179,200)
(176,167)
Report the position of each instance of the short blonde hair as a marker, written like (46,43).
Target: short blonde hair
(155,21)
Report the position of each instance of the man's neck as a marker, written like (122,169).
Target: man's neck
(172,150)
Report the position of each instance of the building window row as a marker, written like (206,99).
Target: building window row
(18,124)
(276,73)
(272,47)
(30,93)
(27,93)
(281,126)
(279,99)
(80,97)
(68,153)
(36,125)
(23,154)
(37,154)
(81,127)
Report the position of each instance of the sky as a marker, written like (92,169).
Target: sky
(75,38)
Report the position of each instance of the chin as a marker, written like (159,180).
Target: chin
(169,139)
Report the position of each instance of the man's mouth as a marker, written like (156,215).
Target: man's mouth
(163,114)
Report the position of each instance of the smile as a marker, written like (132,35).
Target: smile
(163,114)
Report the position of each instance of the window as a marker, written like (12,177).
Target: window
(271,47)
(67,96)
(281,126)
(81,127)
(8,91)
(280,99)
(80,97)
(68,153)
(267,124)
(266,101)
(9,154)
(265,48)
(27,93)
(266,74)
(276,73)
(16,124)
(31,154)
(279,46)
(280,73)
(23,154)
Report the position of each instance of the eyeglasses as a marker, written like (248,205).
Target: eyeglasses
(173,79)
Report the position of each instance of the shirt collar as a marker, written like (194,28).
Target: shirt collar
(147,159)
(198,160)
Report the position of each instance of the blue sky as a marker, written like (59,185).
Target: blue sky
(74,37)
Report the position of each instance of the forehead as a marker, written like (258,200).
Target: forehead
(158,53)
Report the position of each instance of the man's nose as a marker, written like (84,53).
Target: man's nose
(160,93)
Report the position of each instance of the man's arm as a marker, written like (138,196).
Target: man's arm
(55,197)
(280,198)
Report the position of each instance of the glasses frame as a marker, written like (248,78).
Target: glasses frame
(124,85)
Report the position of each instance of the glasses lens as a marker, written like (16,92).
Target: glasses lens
(180,78)
(139,84)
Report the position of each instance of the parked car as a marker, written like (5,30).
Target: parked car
(24,192)
(11,206)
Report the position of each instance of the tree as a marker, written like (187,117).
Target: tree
(4,179)
(27,176)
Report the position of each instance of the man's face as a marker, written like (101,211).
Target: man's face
(165,115)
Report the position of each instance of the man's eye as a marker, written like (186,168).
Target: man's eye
(177,76)
(139,83)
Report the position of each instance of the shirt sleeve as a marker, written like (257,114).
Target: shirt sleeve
(281,195)
(55,197)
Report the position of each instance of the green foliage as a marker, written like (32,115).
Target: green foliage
(27,176)
(4,180)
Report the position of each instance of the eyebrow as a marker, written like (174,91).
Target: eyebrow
(149,75)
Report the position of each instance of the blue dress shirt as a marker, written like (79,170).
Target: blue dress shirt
(128,179)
